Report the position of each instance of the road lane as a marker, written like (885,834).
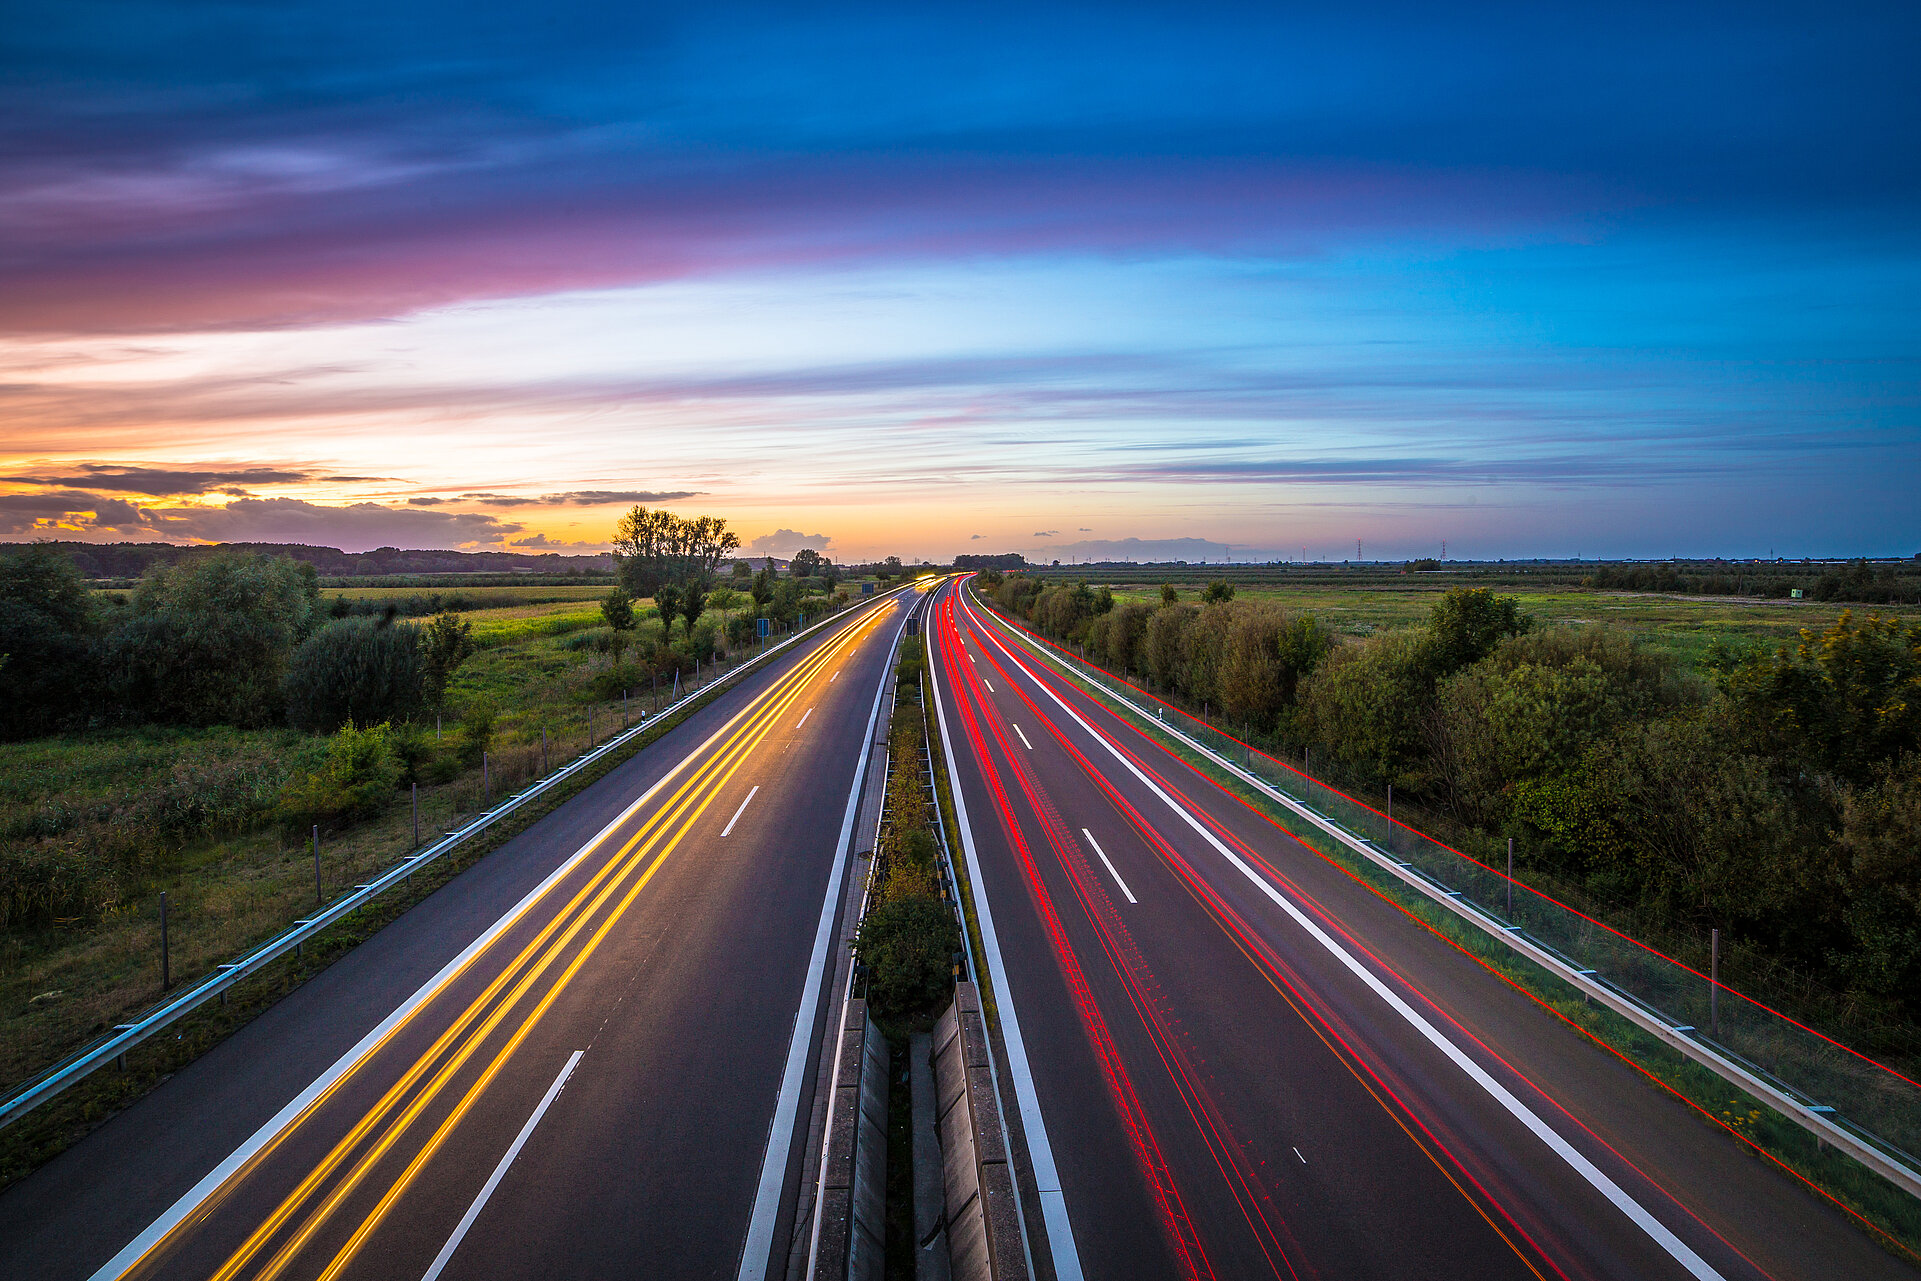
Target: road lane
(669,959)
(1405,1164)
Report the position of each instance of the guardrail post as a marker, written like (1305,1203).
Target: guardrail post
(317,897)
(1714,980)
(166,975)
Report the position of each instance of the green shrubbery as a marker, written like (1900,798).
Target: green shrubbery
(908,938)
(356,780)
(356,669)
(1776,800)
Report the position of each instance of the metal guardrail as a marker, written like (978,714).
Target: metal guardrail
(114,1046)
(1836,1094)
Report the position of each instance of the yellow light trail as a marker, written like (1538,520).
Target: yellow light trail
(680,811)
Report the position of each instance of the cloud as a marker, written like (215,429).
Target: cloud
(976,537)
(784,543)
(425,502)
(540,542)
(160,482)
(1045,533)
(351,527)
(1085,530)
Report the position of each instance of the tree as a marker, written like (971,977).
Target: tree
(208,638)
(361,671)
(46,654)
(1219,590)
(1843,702)
(763,589)
(742,570)
(667,601)
(806,563)
(693,602)
(1468,622)
(618,609)
(653,547)
(1169,595)
(445,643)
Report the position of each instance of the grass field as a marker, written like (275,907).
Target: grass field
(1683,626)
(516,593)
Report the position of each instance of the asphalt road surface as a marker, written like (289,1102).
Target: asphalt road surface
(1249,1064)
(568,1062)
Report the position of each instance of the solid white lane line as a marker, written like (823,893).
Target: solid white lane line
(757,1251)
(500,1171)
(803,718)
(1024,743)
(1047,1178)
(1109,865)
(1595,1177)
(729,829)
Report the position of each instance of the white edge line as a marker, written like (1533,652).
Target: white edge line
(1109,866)
(1595,1177)
(500,1171)
(189,1201)
(1047,1179)
(1024,743)
(757,1249)
(803,718)
(729,829)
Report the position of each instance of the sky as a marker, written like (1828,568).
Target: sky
(1152,282)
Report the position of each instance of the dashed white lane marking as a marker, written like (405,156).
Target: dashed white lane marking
(1297,1152)
(729,829)
(1108,864)
(803,718)
(1024,743)
(500,1171)
(990,686)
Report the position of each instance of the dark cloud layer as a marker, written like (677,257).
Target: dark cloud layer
(174,166)
(156,482)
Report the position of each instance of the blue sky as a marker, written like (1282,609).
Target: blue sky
(1622,281)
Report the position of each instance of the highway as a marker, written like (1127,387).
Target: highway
(1247,1063)
(573,1060)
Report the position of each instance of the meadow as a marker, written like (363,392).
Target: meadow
(1684,627)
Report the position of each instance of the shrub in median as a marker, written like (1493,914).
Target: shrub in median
(908,946)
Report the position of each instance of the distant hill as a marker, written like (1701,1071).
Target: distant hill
(130,560)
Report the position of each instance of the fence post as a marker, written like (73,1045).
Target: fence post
(166,975)
(1510,878)
(544,766)
(316,865)
(1390,809)
(1714,978)
(486,782)
(416,799)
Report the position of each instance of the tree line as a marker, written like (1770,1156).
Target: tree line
(1777,795)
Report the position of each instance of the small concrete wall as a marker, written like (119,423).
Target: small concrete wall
(853,1210)
(983,1215)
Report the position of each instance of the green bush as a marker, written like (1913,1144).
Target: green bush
(356,780)
(477,723)
(908,946)
(359,670)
